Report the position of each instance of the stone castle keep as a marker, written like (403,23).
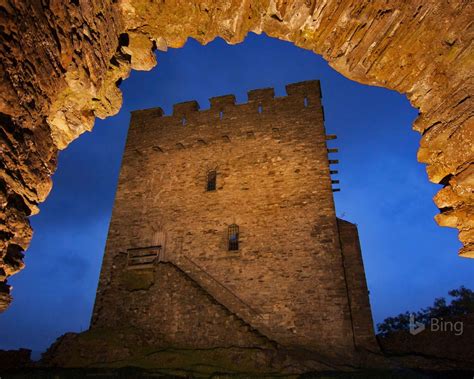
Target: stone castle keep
(224,231)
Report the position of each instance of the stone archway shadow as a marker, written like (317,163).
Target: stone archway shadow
(62,64)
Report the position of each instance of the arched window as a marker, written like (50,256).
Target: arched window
(233,237)
(211,180)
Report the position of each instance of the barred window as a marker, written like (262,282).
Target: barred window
(233,237)
(211,180)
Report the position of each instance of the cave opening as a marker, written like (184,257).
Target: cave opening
(391,205)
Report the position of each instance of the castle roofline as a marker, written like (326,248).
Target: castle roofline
(259,96)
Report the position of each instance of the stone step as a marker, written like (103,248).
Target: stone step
(223,295)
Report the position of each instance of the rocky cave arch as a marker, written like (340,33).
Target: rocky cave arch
(62,63)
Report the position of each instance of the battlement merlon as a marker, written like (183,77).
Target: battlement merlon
(304,89)
(150,112)
(185,108)
(222,102)
(261,95)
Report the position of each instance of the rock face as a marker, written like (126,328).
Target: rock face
(62,62)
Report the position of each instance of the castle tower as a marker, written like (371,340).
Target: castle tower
(224,230)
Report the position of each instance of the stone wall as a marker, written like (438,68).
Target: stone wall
(362,324)
(173,309)
(62,62)
(273,180)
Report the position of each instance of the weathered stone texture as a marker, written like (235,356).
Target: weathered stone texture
(290,280)
(53,57)
(62,61)
(361,315)
(173,309)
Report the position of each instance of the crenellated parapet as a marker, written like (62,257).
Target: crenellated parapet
(301,95)
(226,120)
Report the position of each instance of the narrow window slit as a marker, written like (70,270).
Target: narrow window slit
(183,120)
(221,115)
(305,102)
(260,108)
(211,180)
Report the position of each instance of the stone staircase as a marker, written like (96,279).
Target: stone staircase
(223,295)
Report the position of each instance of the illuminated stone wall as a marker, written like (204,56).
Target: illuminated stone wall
(288,278)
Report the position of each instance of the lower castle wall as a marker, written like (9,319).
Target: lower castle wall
(172,310)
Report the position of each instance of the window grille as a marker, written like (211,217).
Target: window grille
(233,237)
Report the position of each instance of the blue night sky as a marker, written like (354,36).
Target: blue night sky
(409,260)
